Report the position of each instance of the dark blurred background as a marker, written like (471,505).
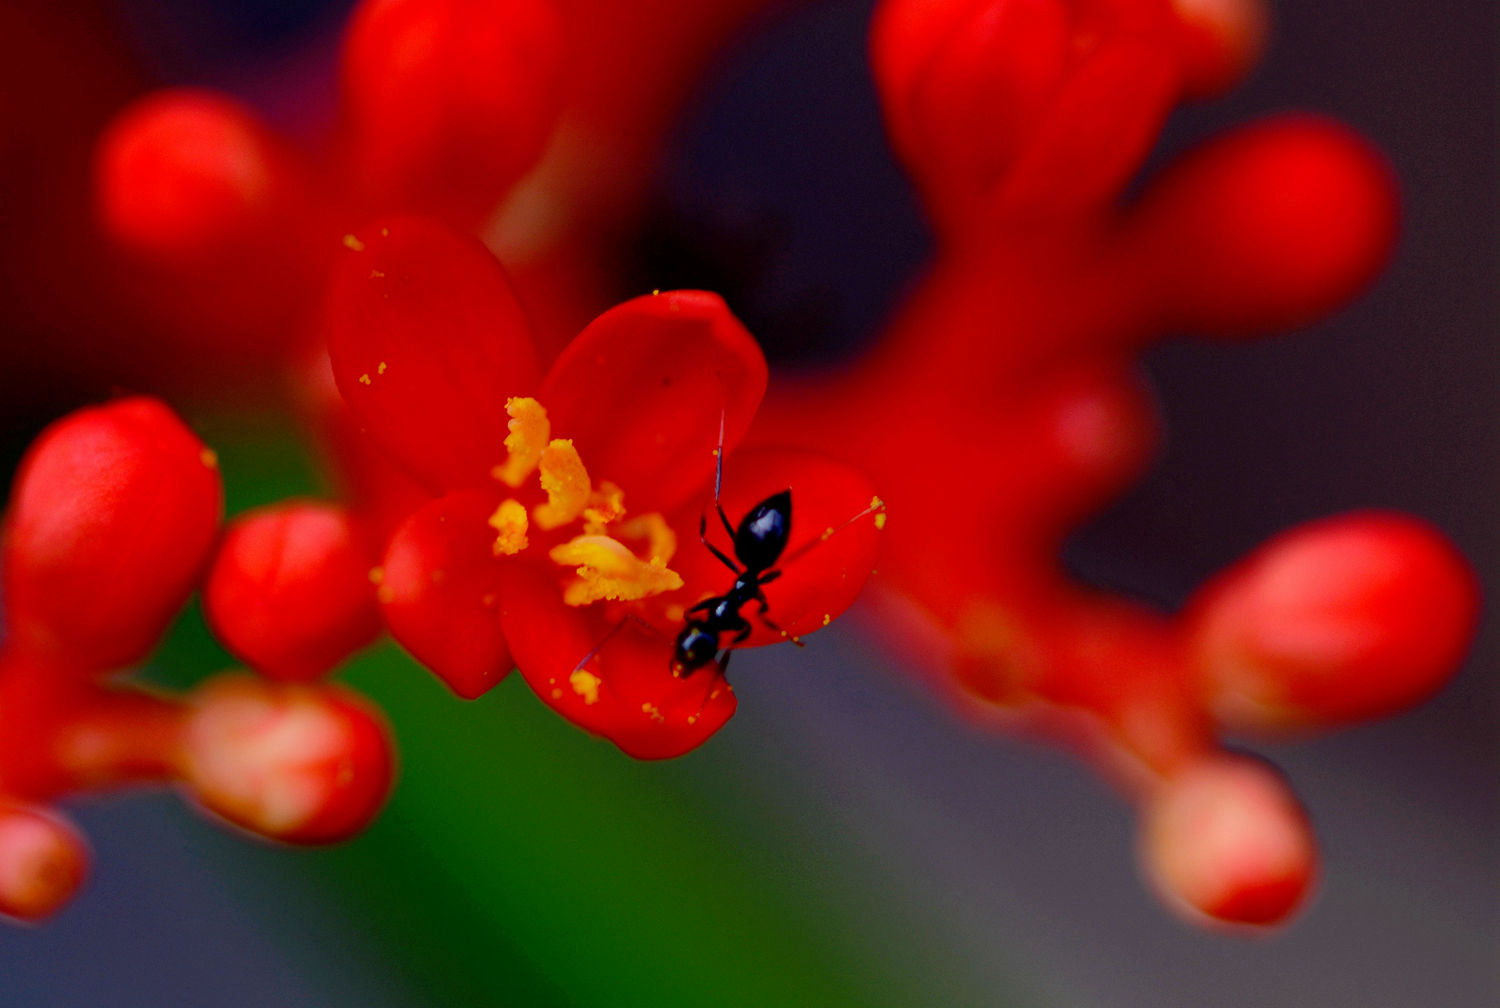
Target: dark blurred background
(846,840)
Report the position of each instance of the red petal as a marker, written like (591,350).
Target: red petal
(816,585)
(427,341)
(439,593)
(112,519)
(642,389)
(637,703)
(290,591)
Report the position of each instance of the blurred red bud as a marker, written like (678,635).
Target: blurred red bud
(1348,618)
(114,511)
(449,102)
(1221,41)
(1270,226)
(290,593)
(43,861)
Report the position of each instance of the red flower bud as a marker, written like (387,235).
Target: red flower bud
(43,861)
(1227,839)
(449,102)
(1270,226)
(290,591)
(303,764)
(114,512)
(186,174)
(1221,41)
(1348,618)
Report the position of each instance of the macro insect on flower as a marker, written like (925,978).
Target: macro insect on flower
(561,536)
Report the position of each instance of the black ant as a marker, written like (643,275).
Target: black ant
(759,541)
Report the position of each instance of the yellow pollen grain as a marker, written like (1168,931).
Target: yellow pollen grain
(827,619)
(557,694)
(586,685)
(353,244)
(608,570)
(880,517)
(385,594)
(377,575)
(385,232)
(827,532)
(530,430)
(381,368)
(364,379)
(566,484)
(209,458)
(509,523)
(651,711)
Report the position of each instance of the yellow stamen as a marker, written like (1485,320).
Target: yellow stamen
(608,570)
(530,431)
(606,504)
(586,685)
(509,523)
(661,541)
(566,483)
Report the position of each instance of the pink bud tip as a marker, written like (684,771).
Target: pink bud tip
(42,862)
(1226,839)
(290,592)
(303,764)
(114,512)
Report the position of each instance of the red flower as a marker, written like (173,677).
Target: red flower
(114,515)
(569,501)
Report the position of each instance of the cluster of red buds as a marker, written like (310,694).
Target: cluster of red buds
(521,497)
(114,520)
(1022,122)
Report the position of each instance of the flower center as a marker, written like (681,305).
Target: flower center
(606,567)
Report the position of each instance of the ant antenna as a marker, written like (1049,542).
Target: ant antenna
(875,507)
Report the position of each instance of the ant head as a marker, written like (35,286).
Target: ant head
(693,649)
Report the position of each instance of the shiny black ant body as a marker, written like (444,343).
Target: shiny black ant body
(759,541)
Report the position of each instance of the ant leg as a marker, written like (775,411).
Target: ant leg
(703,536)
(764,605)
(627,618)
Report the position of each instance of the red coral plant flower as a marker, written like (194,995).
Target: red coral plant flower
(561,533)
